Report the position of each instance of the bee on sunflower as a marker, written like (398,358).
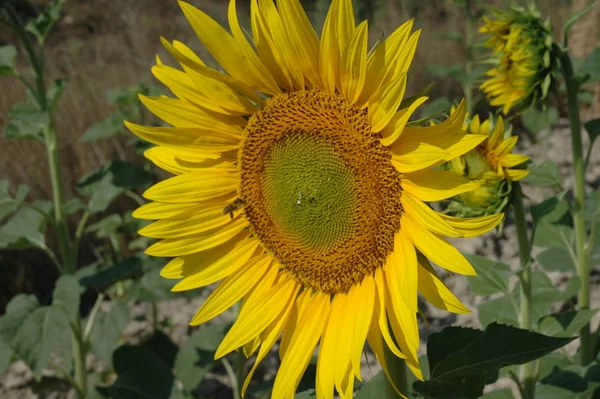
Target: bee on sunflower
(523,65)
(299,186)
(491,164)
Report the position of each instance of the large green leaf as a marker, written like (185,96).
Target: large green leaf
(593,130)
(536,120)
(66,296)
(196,356)
(24,229)
(6,355)
(543,175)
(45,330)
(471,358)
(502,310)
(565,324)
(556,259)
(41,25)
(104,185)
(8,203)
(17,311)
(8,54)
(553,223)
(106,128)
(126,269)
(591,66)
(26,121)
(492,277)
(107,330)
(376,387)
(152,287)
(505,393)
(141,374)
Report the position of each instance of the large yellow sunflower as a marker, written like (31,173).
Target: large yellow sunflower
(299,186)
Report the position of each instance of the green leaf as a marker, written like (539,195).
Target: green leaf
(107,226)
(566,379)
(152,287)
(543,175)
(445,70)
(8,203)
(376,387)
(196,357)
(593,129)
(107,330)
(17,311)
(591,66)
(43,23)
(104,278)
(73,206)
(492,277)
(502,310)
(106,128)
(453,35)
(141,374)
(44,331)
(24,230)
(565,324)
(6,355)
(536,120)
(552,223)
(310,394)
(499,394)
(556,259)
(55,92)
(26,122)
(8,54)
(110,181)
(471,358)
(436,107)
(66,296)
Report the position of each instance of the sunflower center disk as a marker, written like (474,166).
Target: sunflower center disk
(319,189)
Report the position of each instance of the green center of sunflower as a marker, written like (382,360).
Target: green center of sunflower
(308,190)
(319,189)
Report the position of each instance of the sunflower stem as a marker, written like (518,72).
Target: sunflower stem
(468,86)
(67,251)
(582,248)
(398,373)
(525,317)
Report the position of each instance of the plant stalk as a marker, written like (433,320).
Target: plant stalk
(468,87)
(525,316)
(399,374)
(582,250)
(79,357)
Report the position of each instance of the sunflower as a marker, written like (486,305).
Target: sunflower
(521,52)
(299,186)
(491,164)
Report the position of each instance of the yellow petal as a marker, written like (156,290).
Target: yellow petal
(225,48)
(510,160)
(435,185)
(475,124)
(435,291)
(329,50)
(353,65)
(262,75)
(436,248)
(498,134)
(269,337)
(381,303)
(460,144)
(305,42)
(406,56)
(311,321)
(158,210)
(282,41)
(255,317)
(167,158)
(193,222)
(212,265)
(376,344)
(193,187)
(232,289)
(515,174)
(199,242)
(506,146)
(427,217)
(267,50)
(345,23)
(290,327)
(401,270)
(363,300)
(385,102)
(209,141)
(472,227)
(416,156)
(327,365)
(396,126)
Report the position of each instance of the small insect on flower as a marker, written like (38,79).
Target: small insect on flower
(524,64)
(491,164)
(336,229)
